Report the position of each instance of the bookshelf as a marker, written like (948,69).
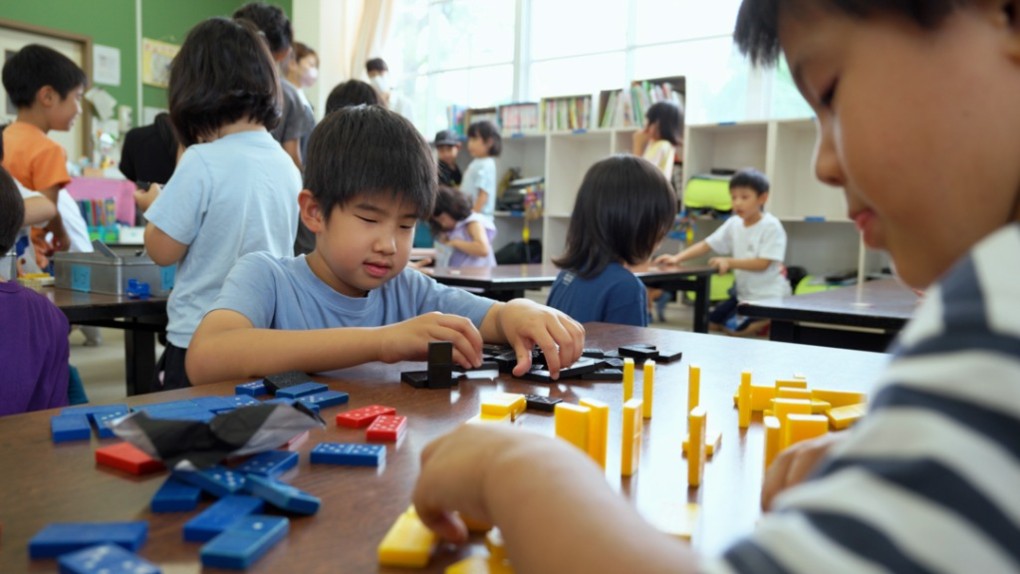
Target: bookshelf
(626,107)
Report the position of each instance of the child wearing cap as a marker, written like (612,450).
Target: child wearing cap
(447,147)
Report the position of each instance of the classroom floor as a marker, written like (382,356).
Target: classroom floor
(102,368)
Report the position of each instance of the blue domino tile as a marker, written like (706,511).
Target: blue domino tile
(282,495)
(216,480)
(287,401)
(252,389)
(63,537)
(102,422)
(298,391)
(325,399)
(107,413)
(272,463)
(349,454)
(245,542)
(175,496)
(220,516)
(183,414)
(105,559)
(214,404)
(94,409)
(65,428)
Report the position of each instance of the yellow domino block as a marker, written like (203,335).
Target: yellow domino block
(696,422)
(772,440)
(598,430)
(844,417)
(792,393)
(744,400)
(819,407)
(504,403)
(782,408)
(713,442)
(572,424)
(648,384)
(839,398)
(628,379)
(761,397)
(480,565)
(694,387)
(803,427)
(482,418)
(408,543)
(630,450)
(791,383)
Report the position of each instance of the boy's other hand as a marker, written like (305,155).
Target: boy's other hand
(794,464)
(145,198)
(526,324)
(409,340)
(721,264)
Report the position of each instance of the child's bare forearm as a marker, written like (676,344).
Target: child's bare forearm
(752,264)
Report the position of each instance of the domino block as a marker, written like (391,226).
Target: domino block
(72,427)
(94,409)
(572,423)
(408,542)
(804,427)
(105,559)
(693,387)
(271,464)
(773,440)
(713,442)
(628,379)
(440,365)
(820,407)
(791,383)
(793,393)
(220,516)
(65,537)
(696,422)
(324,400)
(761,397)
(504,403)
(127,457)
(252,389)
(540,403)
(417,379)
(103,422)
(593,353)
(479,564)
(648,384)
(387,428)
(604,374)
(109,413)
(638,352)
(482,418)
(283,380)
(304,389)
(359,418)
(282,495)
(839,398)
(782,408)
(598,430)
(215,404)
(215,480)
(630,451)
(669,356)
(846,416)
(581,367)
(744,401)
(245,542)
(175,496)
(289,401)
(348,454)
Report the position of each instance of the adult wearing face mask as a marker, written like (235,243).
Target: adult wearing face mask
(379,76)
(302,72)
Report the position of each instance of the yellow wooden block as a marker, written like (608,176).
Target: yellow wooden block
(782,408)
(761,397)
(598,430)
(768,413)
(630,448)
(408,543)
(479,565)
(648,388)
(628,379)
(773,434)
(696,422)
(803,427)
(846,416)
(744,401)
(504,403)
(794,383)
(839,398)
(572,424)
(819,407)
(694,387)
(482,418)
(792,393)
(713,442)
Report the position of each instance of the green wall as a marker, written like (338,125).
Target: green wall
(112,23)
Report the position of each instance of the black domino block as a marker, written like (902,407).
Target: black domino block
(417,379)
(540,403)
(639,352)
(669,356)
(286,379)
(607,374)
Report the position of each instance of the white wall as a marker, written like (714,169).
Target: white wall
(329,27)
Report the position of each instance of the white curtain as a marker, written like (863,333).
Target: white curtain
(371,35)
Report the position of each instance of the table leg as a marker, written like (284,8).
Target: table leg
(701,303)
(784,331)
(139,360)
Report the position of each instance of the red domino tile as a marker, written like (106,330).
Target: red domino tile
(129,458)
(386,428)
(364,416)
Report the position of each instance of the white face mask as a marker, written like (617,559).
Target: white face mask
(308,77)
(381,82)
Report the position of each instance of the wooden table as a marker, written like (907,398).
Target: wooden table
(140,320)
(875,312)
(505,282)
(46,483)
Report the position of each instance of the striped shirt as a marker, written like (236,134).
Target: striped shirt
(930,480)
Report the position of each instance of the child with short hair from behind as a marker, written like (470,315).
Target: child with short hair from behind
(352,93)
(467,233)
(234,190)
(757,242)
(623,210)
(353,300)
(917,123)
(479,183)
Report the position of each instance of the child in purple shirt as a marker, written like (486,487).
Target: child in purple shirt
(33,332)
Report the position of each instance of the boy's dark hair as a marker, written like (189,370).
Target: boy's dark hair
(35,66)
(351,93)
(222,74)
(12,211)
(376,65)
(623,210)
(271,21)
(757,29)
(369,150)
(450,201)
(670,118)
(751,179)
(487,131)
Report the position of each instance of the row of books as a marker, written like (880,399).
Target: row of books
(570,113)
(511,118)
(627,107)
(99,213)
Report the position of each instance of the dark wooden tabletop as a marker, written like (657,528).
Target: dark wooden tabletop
(538,275)
(882,304)
(44,483)
(79,306)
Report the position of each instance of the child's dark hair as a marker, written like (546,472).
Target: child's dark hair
(751,179)
(452,202)
(369,150)
(670,118)
(12,211)
(489,132)
(376,65)
(623,210)
(757,29)
(222,74)
(35,66)
(271,21)
(351,93)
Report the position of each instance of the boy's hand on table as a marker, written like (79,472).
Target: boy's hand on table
(794,464)
(527,324)
(409,340)
(722,264)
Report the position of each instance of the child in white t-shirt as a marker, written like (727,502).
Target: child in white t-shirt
(756,244)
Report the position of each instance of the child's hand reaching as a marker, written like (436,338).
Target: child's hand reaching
(666,260)
(526,324)
(409,340)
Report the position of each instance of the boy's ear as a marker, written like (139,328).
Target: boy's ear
(47,96)
(311,212)
(1007,13)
